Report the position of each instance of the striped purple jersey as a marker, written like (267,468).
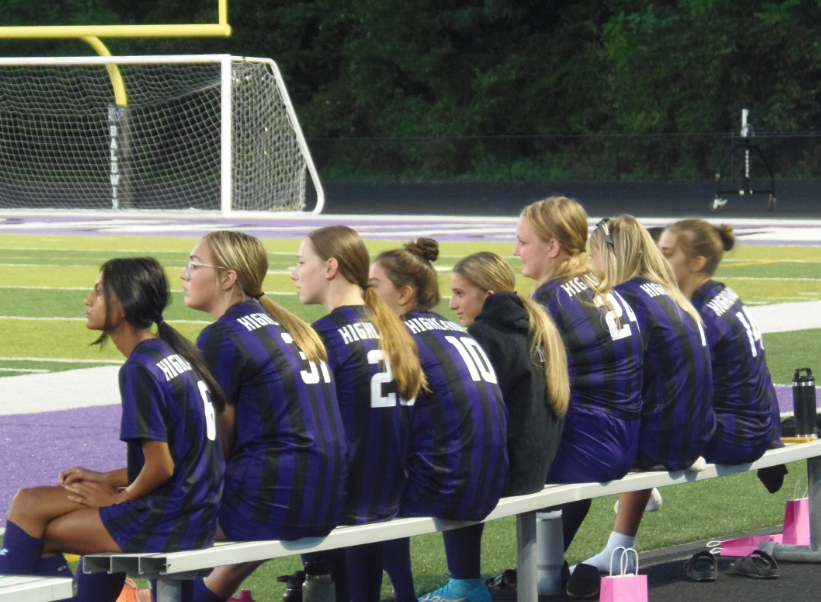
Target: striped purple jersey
(457,466)
(286,472)
(604,347)
(377,420)
(677,416)
(164,399)
(744,396)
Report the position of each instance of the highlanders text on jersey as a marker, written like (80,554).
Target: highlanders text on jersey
(286,472)
(604,346)
(164,399)
(377,420)
(677,419)
(744,397)
(458,463)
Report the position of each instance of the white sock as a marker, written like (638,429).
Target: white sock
(602,560)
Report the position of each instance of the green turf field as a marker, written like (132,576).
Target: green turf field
(44,279)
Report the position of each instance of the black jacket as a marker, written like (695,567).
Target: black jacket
(533,429)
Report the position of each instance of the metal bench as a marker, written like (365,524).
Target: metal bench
(35,589)
(170,568)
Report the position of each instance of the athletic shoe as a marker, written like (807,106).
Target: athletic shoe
(459,590)
(585,582)
(132,593)
(653,504)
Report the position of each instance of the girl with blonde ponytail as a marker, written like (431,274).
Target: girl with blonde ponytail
(677,415)
(378,376)
(282,433)
(604,350)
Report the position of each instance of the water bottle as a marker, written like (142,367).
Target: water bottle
(293,586)
(318,585)
(803,402)
(550,552)
(244,596)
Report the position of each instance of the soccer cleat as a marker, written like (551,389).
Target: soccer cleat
(132,593)
(653,504)
(459,590)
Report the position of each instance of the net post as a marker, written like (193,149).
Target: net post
(226,133)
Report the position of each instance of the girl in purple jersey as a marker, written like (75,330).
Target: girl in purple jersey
(281,432)
(677,416)
(604,346)
(744,396)
(458,463)
(528,355)
(377,375)
(174,474)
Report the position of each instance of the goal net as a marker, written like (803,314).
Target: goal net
(196,132)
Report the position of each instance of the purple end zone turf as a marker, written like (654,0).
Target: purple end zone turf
(34,448)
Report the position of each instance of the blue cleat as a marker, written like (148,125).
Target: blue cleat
(459,590)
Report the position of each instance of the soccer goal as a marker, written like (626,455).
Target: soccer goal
(151,133)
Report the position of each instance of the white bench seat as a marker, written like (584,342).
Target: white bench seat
(35,589)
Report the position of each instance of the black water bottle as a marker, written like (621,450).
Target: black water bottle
(803,402)
(293,586)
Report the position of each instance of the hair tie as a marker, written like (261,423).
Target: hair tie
(259,296)
(366,286)
(159,320)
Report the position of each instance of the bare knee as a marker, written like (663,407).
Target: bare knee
(27,506)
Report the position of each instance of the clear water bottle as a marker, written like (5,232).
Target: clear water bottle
(318,585)
(293,586)
(803,401)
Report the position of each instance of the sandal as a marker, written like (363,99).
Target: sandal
(503,585)
(758,565)
(702,567)
(132,593)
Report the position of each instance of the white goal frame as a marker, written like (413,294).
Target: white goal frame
(226,107)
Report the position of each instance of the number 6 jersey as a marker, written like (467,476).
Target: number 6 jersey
(458,462)
(376,420)
(286,472)
(164,399)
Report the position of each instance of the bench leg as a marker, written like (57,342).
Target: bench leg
(169,590)
(526,557)
(814,481)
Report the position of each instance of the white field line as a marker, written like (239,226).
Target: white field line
(767,278)
(23,370)
(85,288)
(83,320)
(58,360)
(108,251)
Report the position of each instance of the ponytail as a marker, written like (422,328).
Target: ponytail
(398,344)
(546,341)
(184,348)
(305,337)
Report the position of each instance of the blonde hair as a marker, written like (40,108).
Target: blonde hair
(346,246)
(634,253)
(699,238)
(412,266)
(565,220)
(489,272)
(245,255)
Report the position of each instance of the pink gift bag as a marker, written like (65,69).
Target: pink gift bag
(797,523)
(624,587)
(744,546)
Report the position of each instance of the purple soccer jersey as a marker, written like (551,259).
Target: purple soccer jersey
(677,416)
(744,396)
(164,399)
(376,419)
(286,473)
(604,346)
(457,466)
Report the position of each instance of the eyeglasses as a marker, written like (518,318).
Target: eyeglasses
(605,232)
(192,266)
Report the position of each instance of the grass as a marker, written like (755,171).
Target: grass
(47,278)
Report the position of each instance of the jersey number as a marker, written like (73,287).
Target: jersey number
(475,359)
(753,334)
(375,356)
(210,415)
(311,375)
(619,307)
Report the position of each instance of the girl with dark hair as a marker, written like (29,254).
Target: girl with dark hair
(458,465)
(743,393)
(167,498)
(378,376)
(282,433)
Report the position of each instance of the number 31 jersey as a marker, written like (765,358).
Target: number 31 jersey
(286,471)
(376,420)
(458,461)
(604,346)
